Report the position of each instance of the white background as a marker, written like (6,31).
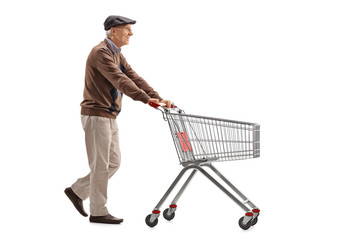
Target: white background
(291,66)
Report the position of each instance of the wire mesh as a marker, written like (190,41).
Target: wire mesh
(213,139)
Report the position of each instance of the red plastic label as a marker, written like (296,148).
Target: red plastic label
(184,141)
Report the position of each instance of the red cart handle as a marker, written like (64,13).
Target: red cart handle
(156,105)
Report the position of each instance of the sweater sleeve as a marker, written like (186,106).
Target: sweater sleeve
(139,81)
(109,69)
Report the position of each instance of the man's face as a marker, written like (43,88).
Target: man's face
(122,34)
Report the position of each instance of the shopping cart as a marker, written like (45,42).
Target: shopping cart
(199,141)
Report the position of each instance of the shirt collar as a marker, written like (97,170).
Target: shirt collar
(113,46)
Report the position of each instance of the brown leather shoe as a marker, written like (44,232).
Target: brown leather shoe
(105,219)
(78,202)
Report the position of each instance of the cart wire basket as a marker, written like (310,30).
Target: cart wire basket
(199,141)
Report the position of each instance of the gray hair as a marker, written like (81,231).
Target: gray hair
(108,33)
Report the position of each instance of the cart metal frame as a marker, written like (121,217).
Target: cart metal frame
(199,141)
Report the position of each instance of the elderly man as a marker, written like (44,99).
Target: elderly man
(107,77)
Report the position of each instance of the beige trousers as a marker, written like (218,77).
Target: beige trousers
(102,146)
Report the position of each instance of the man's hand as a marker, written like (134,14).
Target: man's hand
(154,100)
(167,102)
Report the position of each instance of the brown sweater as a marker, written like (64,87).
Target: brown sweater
(107,76)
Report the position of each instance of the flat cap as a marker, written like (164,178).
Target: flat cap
(113,21)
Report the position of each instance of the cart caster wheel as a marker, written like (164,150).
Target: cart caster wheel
(244,226)
(254,221)
(168,217)
(149,223)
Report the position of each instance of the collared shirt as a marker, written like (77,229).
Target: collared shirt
(117,50)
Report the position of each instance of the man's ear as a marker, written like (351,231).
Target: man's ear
(112,31)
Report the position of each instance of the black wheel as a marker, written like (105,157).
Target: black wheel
(168,217)
(244,226)
(149,223)
(254,221)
